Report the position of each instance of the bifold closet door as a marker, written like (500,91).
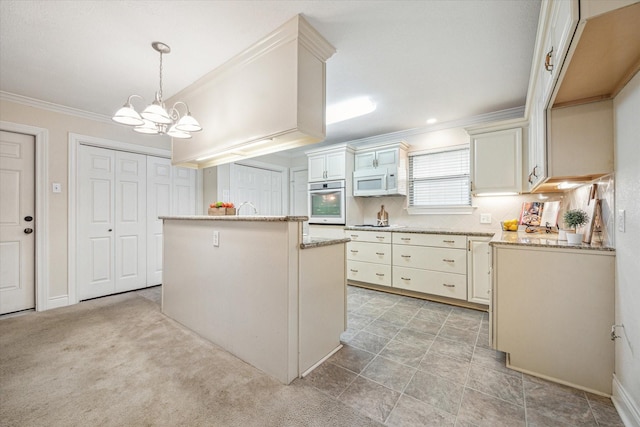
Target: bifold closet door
(111,234)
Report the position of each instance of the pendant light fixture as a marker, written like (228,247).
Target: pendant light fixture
(155,119)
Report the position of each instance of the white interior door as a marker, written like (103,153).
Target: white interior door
(96,200)
(261,187)
(158,204)
(299,192)
(17,243)
(183,181)
(130,221)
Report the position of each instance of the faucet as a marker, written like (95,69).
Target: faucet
(255,211)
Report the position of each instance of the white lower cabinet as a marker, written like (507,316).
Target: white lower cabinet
(443,265)
(479,270)
(430,263)
(369,257)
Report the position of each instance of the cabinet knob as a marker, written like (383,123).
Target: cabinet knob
(547,61)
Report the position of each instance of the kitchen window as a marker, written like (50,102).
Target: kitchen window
(439,181)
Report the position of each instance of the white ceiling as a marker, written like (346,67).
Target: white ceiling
(417,59)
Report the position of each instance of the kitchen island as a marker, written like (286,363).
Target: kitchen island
(254,286)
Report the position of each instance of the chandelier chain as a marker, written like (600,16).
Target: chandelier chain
(160,76)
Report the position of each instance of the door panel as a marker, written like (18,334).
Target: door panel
(159,203)
(17,248)
(130,221)
(96,194)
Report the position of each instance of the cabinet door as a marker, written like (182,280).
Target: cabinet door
(335,165)
(387,157)
(478,276)
(365,160)
(537,170)
(317,168)
(496,165)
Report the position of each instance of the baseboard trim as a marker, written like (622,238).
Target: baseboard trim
(57,302)
(629,413)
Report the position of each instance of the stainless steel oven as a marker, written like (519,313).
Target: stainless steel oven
(327,203)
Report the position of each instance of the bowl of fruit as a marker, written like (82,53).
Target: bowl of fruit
(222,208)
(510,225)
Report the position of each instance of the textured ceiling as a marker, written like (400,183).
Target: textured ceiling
(417,59)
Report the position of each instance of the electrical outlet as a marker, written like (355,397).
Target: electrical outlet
(216,238)
(620,220)
(485,218)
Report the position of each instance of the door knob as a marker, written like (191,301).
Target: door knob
(28,230)
(110,230)
(28,218)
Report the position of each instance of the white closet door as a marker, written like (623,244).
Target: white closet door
(96,172)
(158,204)
(131,221)
(184,191)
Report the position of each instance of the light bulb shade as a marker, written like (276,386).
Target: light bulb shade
(148,128)
(188,124)
(174,132)
(127,116)
(156,113)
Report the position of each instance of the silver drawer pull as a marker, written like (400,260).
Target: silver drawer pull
(406,239)
(448,241)
(380,274)
(405,256)
(448,260)
(353,271)
(380,237)
(355,236)
(405,278)
(380,253)
(448,286)
(354,251)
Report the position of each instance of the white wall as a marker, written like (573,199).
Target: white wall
(627,188)
(59,125)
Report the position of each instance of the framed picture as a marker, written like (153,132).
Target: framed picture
(593,209)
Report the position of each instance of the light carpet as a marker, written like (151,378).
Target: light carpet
(118,361)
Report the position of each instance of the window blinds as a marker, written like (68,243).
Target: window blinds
(440,179)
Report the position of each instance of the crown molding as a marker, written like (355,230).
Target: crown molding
(56,108)
(516,113)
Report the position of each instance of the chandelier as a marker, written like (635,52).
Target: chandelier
(155,119)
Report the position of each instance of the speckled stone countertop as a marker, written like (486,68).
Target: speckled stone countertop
(316,242)
(420,230)
(541,239)
(266,218)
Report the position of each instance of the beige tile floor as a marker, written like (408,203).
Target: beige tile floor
(409,362)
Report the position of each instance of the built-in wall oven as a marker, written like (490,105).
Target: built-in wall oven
(327,203)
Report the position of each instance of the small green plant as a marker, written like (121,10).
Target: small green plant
(575,218)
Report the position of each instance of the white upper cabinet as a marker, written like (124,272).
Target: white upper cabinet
(389,156)
(496,166)
(328,166)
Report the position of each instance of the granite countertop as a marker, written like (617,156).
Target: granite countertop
(309,242)
(421,230)
(541,240)
(265,218)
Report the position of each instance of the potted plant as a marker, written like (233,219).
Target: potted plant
(574,218)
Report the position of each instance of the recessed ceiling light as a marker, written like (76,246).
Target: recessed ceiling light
(432,120)
(349,109)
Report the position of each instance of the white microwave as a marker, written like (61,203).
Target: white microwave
(379,182)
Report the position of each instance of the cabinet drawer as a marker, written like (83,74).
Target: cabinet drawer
(377,274)
(368,236)
(426,257)
(431,282)
(369,252)
(437,240)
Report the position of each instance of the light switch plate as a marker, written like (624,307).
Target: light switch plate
(485,218)
(216,238)
(620,220)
